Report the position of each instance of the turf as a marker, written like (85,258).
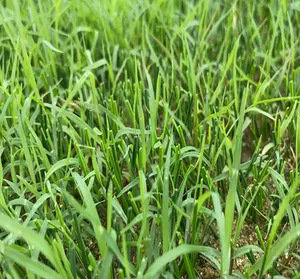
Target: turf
(149,139)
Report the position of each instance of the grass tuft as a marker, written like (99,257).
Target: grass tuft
(149,139)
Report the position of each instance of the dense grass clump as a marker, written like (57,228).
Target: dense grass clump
(149,139)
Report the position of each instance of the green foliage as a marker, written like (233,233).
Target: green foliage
(149,139)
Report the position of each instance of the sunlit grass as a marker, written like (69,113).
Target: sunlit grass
(149,139)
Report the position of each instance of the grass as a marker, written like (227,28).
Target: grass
(149,139)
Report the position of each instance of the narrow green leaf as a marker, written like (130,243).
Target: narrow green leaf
(49,45)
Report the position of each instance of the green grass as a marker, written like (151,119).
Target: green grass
(149,139)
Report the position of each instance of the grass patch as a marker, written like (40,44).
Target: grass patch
(149,139)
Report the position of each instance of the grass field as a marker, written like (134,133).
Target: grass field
(149,139)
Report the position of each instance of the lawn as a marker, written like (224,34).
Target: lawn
(149,139)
